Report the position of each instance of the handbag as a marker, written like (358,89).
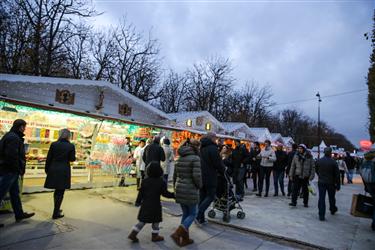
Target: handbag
(362,206)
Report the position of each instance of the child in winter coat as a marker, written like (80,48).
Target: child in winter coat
(149,201)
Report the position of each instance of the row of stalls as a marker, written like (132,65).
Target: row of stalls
(100,116)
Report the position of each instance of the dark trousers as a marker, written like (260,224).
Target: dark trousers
(265,173)
(206,196)
(58,197)
(239,177)
(297,185)
(9,183)
(290,187)
(165,178)
(254,174)
(323,189)
(342,174)
(278,179)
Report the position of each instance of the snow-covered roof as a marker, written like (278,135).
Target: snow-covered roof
(69,81)
(233,126)
(183,116)
(276,137)
(261,133)
(288,140)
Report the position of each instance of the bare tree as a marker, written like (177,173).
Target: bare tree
(137,62)
(209,84)
(51,25)
(104,52)
(173,93)
(77,53)
(14,38)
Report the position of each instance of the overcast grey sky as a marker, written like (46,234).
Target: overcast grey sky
(297,47)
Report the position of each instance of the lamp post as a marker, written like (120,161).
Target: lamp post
(319,133)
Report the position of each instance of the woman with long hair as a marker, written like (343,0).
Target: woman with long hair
(57,168)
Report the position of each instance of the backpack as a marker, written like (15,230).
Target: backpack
(367,172)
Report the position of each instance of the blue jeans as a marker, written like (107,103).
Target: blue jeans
(9,183)
(323,190)
(349,175)
(189,213)
(207,195)
(278,179)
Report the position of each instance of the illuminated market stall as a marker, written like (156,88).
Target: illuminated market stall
(99,124)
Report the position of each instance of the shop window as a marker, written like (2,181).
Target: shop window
(189,123)
(208,126)
(64,96)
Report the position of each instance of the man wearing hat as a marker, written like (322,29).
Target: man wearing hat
(329,181)
(301,172)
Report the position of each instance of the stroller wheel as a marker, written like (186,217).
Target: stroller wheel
(226,218)
(241,215)
(211,214)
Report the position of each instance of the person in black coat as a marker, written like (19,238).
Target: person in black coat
(329,181)
(240,157)
(12,167)
(153,152)
(255,164)
(279,170)
(211,165)
(57,168)
(149,200)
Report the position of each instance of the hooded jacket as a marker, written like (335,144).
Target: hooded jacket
(187,178)
(303,166)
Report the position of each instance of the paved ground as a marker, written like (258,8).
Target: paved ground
(95,221)
(101,218)
(273,216)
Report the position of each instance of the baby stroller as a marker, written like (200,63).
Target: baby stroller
(226,200)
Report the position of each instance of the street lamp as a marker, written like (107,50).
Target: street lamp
(319,134)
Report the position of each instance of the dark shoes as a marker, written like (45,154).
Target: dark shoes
(321,218)
(24,216)
(305,205)
(276,195)
(133,236)
(266,195)
(58,215)
(292,204)
(334,211)
(259,195)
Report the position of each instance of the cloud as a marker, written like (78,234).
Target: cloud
(298,48)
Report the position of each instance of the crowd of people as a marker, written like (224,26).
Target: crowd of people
(195,176)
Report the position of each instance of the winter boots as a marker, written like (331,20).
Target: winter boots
(133,236)
(156,237)
(181,237)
